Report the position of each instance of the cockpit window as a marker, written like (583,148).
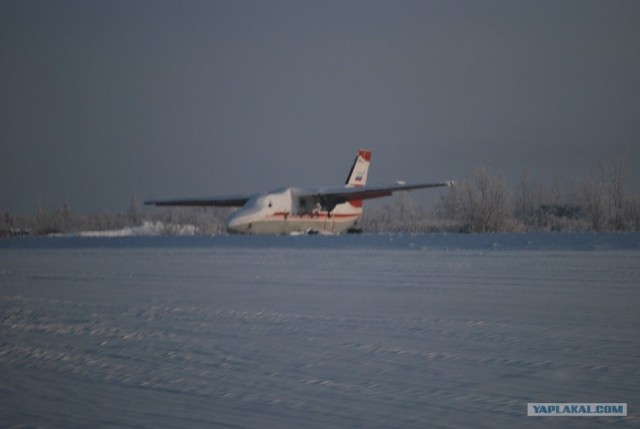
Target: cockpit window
(269,203)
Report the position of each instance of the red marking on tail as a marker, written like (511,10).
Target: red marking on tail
(366,154)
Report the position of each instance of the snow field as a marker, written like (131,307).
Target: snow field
(241,336)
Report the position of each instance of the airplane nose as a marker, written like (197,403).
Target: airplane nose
(232,225)
(236,224)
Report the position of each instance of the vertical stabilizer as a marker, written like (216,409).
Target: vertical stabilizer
(358,174)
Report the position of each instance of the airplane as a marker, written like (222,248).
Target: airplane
(296,210)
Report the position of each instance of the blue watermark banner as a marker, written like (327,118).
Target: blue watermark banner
(576,409)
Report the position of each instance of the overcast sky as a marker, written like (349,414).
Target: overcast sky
(100,100)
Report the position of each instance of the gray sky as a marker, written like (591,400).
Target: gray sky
(100,100)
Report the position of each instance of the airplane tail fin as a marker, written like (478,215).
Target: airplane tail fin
(358,174)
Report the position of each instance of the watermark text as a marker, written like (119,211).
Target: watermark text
(576,409)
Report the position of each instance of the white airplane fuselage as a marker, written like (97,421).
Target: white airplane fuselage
(283,212)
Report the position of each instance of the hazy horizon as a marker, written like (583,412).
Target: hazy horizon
(105,100)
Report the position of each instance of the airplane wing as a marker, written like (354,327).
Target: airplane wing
(334,196)
(228,201)
(328,196)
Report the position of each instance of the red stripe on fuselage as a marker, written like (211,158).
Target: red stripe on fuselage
(320,215)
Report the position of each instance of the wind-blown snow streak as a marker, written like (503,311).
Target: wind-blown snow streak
(289,337)
(147,228)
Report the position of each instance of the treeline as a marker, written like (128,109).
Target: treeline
(170,221)
(482,202)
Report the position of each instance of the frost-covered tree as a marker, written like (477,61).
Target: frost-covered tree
(633,214)
(604,197)
(619,205)
(480,203)
(594,199)
(528,199)
(45,222)
(66,218)
(538,206)
(135,212)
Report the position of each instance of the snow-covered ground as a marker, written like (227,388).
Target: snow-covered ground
(147,228)
(441,331)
